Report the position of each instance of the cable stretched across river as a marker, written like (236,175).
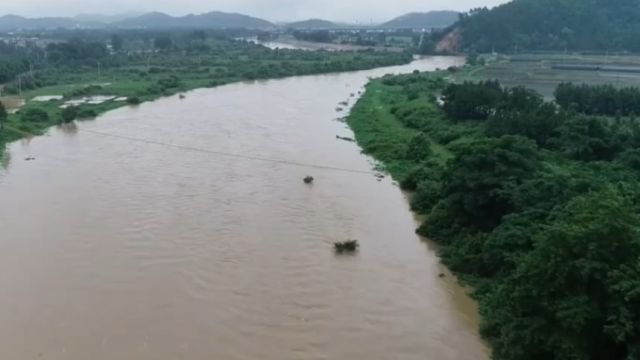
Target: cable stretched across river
(228,154)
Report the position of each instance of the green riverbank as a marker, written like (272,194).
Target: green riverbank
(534,206)
(144,77)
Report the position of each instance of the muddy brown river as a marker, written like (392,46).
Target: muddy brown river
(166,231)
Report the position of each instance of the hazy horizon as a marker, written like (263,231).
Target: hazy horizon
(361,11)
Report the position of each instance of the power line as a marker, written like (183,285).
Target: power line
(227,154)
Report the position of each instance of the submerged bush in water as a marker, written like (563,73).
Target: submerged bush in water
(133,100)
(346,246)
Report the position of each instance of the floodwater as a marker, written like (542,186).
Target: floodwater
(291,43)
(165,231)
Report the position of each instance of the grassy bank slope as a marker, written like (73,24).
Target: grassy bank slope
(397,115)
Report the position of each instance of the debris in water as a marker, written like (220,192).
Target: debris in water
(182,96)
(309,180)
(345,138)
(30,158)
(349,246)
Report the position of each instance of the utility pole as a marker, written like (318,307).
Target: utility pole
(421,41)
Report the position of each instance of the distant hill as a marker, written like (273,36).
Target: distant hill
(212,20)
(593,25)
(312,24)
(14,22)
(428,20)
(106,19)
(149,20)
(154,20)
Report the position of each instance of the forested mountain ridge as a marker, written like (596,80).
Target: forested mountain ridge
(15,22)
(210,20)
(312,24)
(152,20)
(587,25)
(428,20)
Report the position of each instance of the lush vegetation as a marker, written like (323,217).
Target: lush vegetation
(397,38)
(321,36)
(144,65)
(598,100)
(13,60)
(348,246)
(3,116)
(152,20)
(535,205)
(427,20)
(601,25)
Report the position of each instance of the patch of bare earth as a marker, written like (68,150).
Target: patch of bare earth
(450,43)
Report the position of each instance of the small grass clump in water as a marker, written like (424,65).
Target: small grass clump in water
(348,246)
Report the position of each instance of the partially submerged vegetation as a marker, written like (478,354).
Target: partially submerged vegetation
(534,205)
(140,66)
(348,246)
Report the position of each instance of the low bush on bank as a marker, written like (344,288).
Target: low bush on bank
(34,115)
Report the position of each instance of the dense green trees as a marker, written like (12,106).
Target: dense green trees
(15,59)
(117,42)
(553,25)
(3,116)
(537,123)
(321,36)
(163,42)
(419,147)
(35,115)
(479,101)
(472,101)
(598,99)
(479,184)
(69,113)
(536,206)
(76,51)
(575,294)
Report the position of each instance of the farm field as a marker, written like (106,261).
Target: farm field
(543,72)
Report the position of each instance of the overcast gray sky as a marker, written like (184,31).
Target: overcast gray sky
(275,10)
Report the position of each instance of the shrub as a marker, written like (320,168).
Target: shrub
(69,114)
(133,100)
(35,115)
(86,114)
